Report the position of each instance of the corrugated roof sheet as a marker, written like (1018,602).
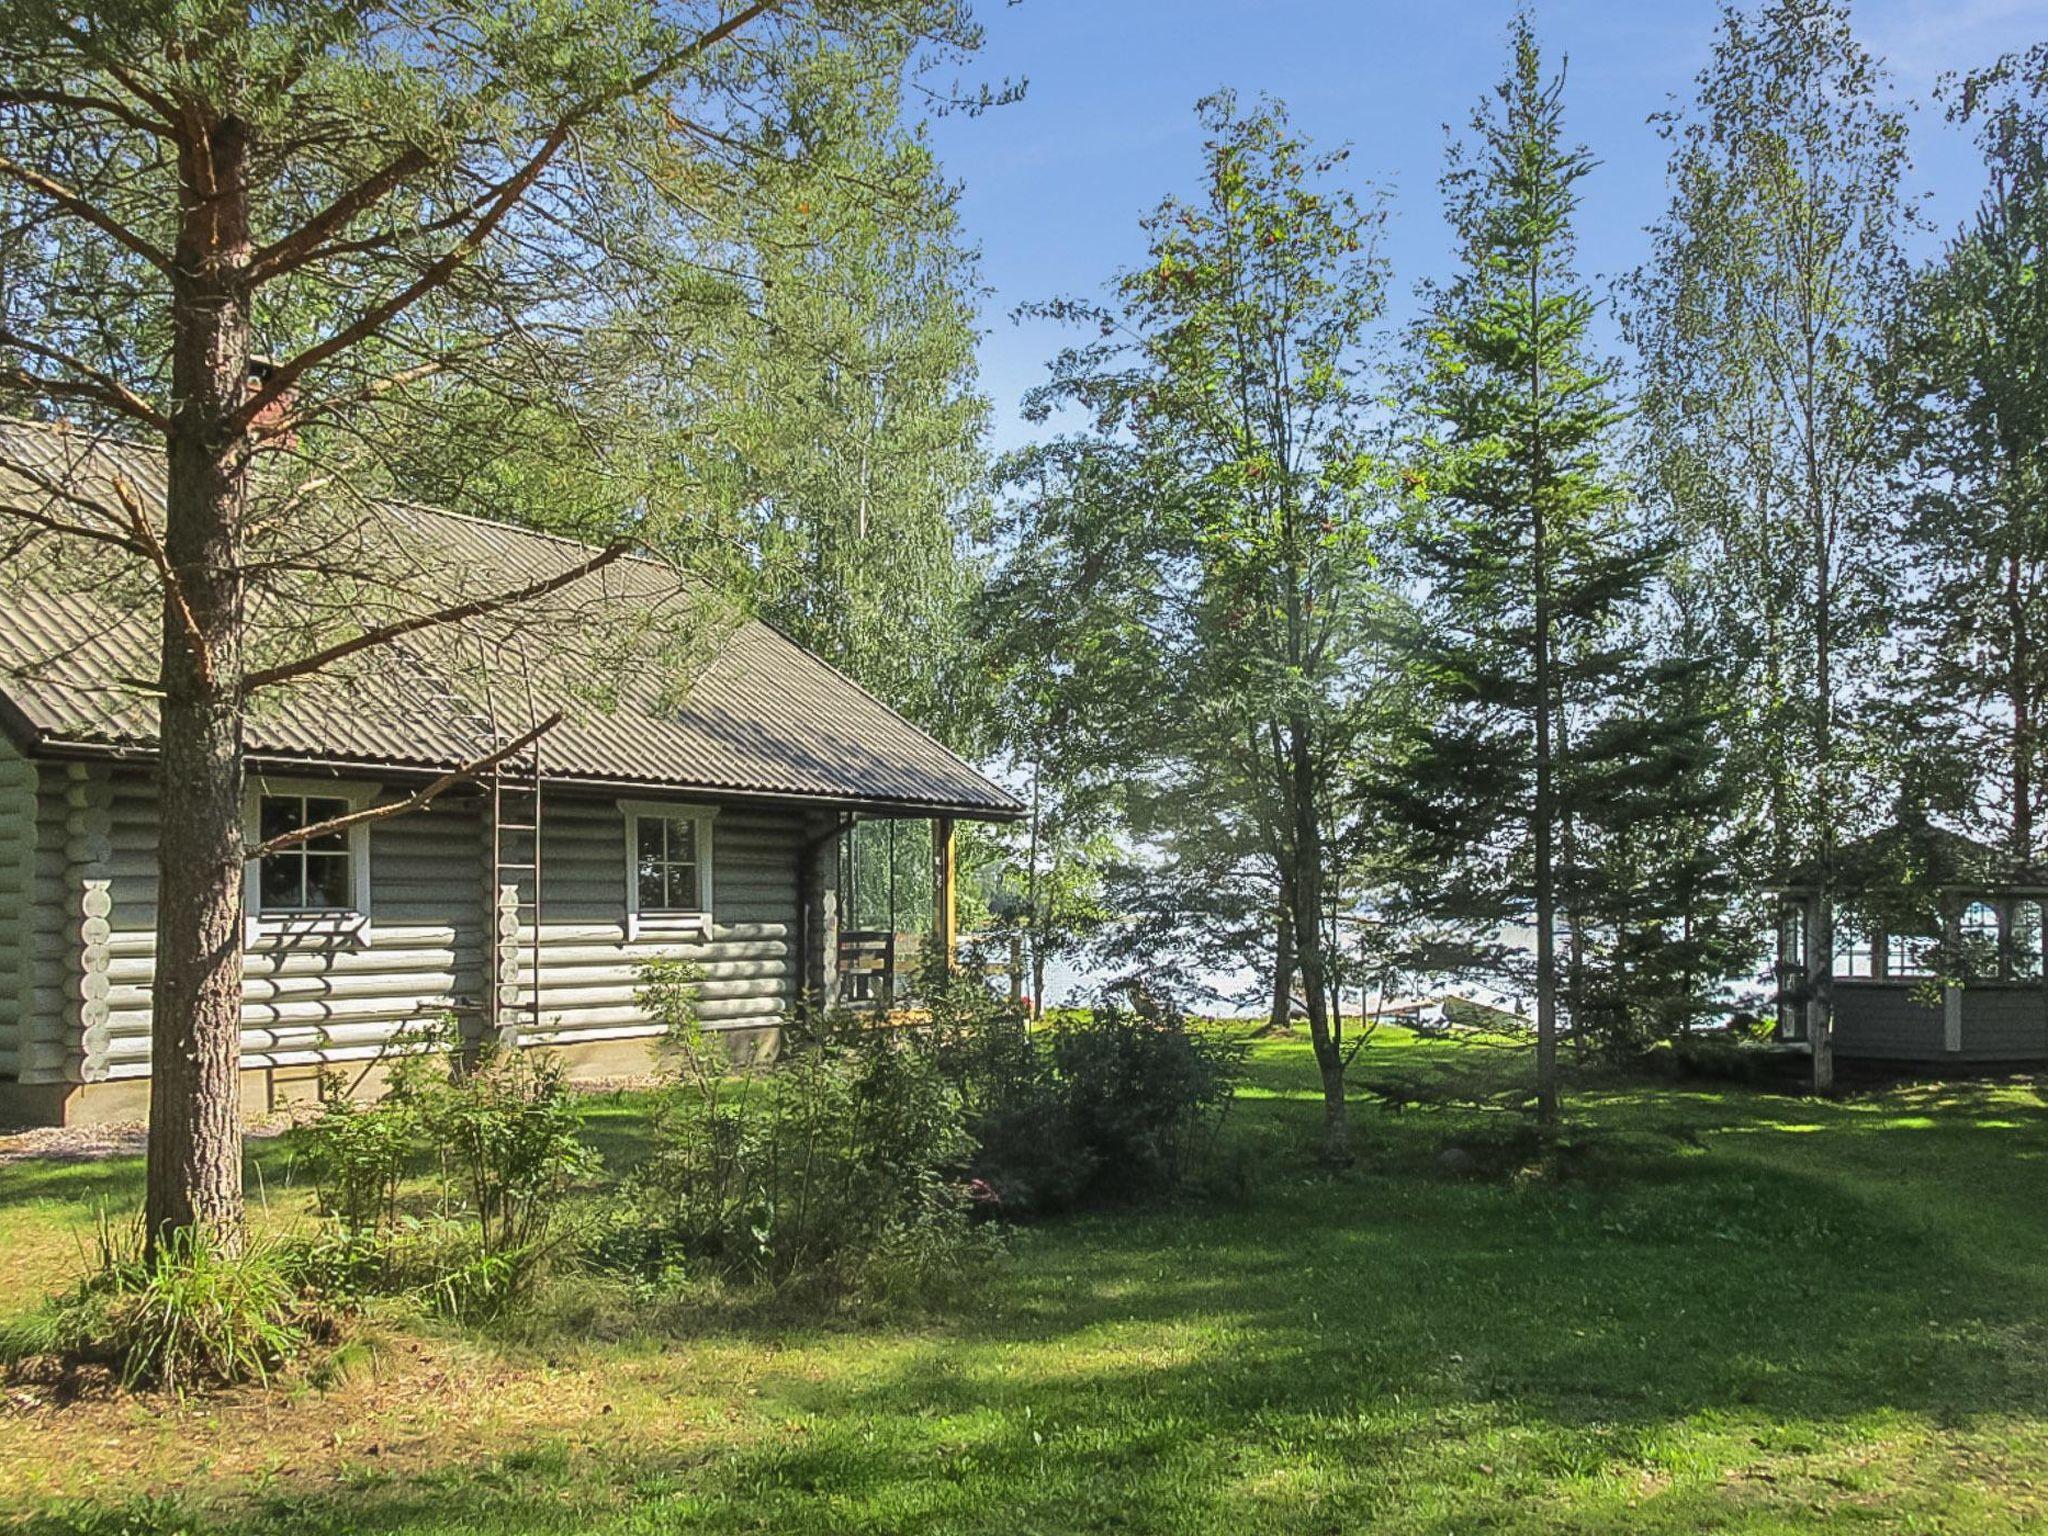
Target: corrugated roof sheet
(750,711)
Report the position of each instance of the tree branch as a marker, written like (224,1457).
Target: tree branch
(417,801)
(384,634)
(91,383)
(287,252)
(79,208)
(498,206)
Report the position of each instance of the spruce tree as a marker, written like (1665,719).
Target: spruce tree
(1525,538)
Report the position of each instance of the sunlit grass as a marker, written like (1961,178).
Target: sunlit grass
(1715,1308)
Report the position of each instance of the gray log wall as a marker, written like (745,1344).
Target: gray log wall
(78,915)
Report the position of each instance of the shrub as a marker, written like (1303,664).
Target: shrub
(842,1160)
(1144,1095)
(1105,1103)
(501,1134)
(192,1311)
(510,1137)
(360,1154)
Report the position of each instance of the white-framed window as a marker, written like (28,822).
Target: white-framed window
(318,887)
(2026,940)
(1854,956)
(1910,955)
(668,868)
(1979,930)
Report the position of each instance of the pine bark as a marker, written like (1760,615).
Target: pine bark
(195,1142)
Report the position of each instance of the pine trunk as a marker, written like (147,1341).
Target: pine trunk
(195,1142)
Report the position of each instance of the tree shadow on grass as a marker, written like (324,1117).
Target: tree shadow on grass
(1390,1344)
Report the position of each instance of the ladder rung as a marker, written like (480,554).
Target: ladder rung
(517,826)
(503,864)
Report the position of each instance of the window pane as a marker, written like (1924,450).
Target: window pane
(319,810)
(1852,951)
(280,814)
(650,847)
(281,883)
(682,887)
(682,841)
(327,880)
(652,897)
(2026,941)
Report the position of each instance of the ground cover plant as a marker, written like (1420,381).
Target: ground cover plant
(1724,1309)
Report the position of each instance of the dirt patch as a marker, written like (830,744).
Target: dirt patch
(91,1143)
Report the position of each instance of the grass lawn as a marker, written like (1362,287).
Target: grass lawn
(1732,1312)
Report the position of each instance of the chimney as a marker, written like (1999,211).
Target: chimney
(266,423)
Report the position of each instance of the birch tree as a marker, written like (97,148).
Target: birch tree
(1759,316)
(1970,366)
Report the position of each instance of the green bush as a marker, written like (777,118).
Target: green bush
(1099,1104)
(1144,1096)
(193,1311)
(498,1136)
(839,1164)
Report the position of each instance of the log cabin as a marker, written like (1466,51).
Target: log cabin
(689,805)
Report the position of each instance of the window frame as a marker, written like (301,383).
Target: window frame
(352,922)
(669,922)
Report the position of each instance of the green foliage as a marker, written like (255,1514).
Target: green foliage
(1968,372)
(508,1131)
(1103,1105)
(1144,1095)
(1537,569)
(837,1167)
(190,1311)
(1192,608)
(499,1133)
(832,404)
(1760,320)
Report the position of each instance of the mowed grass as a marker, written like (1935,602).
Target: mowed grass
(1721,1310)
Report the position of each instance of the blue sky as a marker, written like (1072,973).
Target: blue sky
(1054,184)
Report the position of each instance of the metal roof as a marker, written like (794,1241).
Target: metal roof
(658,685)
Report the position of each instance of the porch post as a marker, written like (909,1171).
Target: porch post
(1951,993)
(1820,945)
(819,878)
(945,895)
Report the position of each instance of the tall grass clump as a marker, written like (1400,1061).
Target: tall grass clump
(192,1310)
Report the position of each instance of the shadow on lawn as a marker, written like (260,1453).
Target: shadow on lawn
(1373,1340)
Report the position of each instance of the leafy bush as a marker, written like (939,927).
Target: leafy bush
(1144,1095)
(1101,1104)
(502,1136)
(511,1144)
(840,1162)
(192,1311)
(360,1153)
